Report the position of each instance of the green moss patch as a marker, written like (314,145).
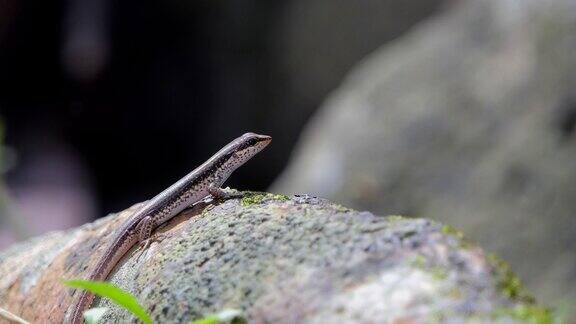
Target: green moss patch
(464,242)
(507,282)
(527,314)
(252,198)
(395,218)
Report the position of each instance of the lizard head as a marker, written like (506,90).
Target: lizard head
(239,151)
(249,145)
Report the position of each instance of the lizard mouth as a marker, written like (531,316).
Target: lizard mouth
(265,139)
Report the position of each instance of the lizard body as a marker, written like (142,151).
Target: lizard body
(195,186)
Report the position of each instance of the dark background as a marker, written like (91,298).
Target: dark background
(110,102)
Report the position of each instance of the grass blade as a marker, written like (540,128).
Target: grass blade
(115,294)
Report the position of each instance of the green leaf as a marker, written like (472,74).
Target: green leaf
(117,295)
(225,316)
(94,315)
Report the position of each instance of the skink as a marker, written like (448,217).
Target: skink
(195,186)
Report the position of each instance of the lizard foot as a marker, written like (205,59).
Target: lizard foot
(145,244)
(223,194)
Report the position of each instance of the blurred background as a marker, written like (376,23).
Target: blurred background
(462,111)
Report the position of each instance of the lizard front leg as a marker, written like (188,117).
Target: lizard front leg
(216,192)
(219,193)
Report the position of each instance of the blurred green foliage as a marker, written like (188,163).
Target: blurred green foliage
(115,294)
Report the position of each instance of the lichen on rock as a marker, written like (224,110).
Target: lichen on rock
(281,259)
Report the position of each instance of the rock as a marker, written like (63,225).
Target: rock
(469,119)
(277,259)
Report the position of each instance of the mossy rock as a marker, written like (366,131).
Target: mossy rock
(276,259)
